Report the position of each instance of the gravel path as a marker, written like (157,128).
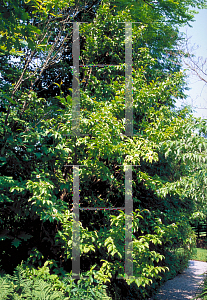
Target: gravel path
(185,285)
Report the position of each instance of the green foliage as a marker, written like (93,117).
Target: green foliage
(38,147)
(30,283)
(19,286)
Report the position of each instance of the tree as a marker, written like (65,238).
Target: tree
(38,144)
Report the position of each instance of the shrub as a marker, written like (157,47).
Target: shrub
(38,284)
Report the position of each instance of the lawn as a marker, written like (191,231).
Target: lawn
(199,254)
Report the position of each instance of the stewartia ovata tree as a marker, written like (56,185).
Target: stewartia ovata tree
(38,147)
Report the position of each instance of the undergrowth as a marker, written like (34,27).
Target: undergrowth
(38,284)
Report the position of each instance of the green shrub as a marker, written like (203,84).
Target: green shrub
(38,284)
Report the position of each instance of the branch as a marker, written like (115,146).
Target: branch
(147,2)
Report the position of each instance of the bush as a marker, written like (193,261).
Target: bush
(38,284)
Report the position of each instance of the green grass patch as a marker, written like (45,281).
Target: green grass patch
(199,254)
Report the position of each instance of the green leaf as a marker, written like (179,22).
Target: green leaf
(16,242)
(24,236)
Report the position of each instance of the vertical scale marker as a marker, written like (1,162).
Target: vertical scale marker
(128,80)
(76,227)
(76,83)
(128,169)
(76,132)
(128,222)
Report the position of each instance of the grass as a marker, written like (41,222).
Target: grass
(199,254)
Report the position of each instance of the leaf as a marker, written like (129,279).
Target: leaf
(138,281)
(110,248)
(24,236)
(16,242)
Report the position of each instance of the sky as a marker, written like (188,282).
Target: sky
(197,95)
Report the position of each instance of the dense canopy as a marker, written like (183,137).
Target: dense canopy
(167,150)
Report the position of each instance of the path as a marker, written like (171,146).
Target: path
(185,285)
